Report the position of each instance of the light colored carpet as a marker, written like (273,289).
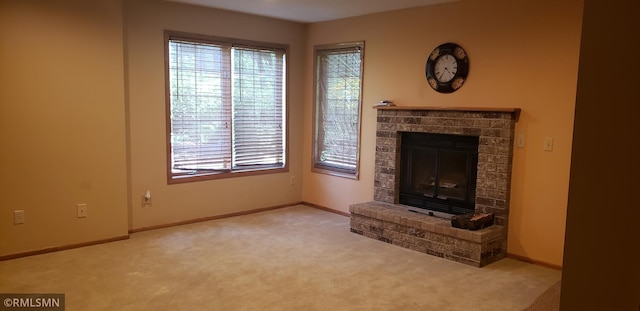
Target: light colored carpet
(295,258)
(548,301)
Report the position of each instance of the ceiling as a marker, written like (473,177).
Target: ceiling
(310,11)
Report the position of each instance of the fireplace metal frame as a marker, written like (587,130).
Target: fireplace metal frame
(411,145)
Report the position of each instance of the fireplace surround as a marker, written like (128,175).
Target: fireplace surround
(387,220)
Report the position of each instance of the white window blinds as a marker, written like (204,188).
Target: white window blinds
(258,107)
(338,105)
(226,106)
(200,98)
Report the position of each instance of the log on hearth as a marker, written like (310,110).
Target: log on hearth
(472,221)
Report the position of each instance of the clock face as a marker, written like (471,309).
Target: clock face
(447,68)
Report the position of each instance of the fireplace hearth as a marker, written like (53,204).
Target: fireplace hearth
(389,217)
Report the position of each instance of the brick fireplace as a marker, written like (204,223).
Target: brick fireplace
(386,220)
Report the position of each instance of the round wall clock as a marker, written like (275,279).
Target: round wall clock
(447,68)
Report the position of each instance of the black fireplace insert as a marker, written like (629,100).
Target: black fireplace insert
(438,172)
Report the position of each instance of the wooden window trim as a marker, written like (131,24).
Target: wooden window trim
(315,166)
(173,178)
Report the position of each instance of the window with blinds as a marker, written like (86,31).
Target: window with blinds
(226,107)
(338,89)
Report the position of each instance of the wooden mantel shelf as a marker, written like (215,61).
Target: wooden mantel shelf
(515,111)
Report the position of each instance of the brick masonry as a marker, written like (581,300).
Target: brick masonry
(495,129)
(397,225)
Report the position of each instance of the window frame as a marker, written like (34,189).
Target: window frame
(175,177)
(316,165)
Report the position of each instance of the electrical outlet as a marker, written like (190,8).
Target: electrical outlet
(82,210)
(548,144)
(18,217)
(146,199)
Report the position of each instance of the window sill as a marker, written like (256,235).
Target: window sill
(186,178)
(335,173)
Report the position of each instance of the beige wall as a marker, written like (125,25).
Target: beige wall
(62,123)
(523,54)
(602,248)
(145,22)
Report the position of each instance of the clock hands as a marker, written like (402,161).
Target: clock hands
(447,69)
(442,73)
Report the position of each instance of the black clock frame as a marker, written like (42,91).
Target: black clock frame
(460,76)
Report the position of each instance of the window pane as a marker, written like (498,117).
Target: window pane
(200,112)
(258,101)
(338,103)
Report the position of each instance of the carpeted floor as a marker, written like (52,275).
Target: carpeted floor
(295,258)
(548,301)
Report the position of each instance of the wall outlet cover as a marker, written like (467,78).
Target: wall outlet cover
(18,217)
(82,210)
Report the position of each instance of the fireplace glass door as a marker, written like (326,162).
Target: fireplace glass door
(438,172)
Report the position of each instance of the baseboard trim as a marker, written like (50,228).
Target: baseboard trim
(62,248)
(533,261)
(208,218)
(326,209)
